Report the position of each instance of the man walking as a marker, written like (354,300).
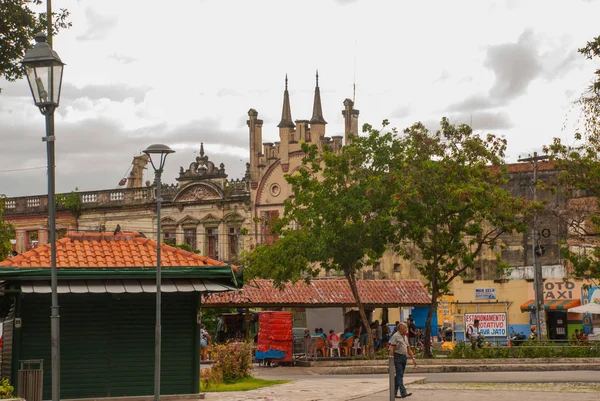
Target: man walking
(401,351)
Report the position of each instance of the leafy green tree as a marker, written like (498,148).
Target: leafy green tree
(578,166)
(456,204)
(339,219)
(20,24)
(7,232)
(438,199)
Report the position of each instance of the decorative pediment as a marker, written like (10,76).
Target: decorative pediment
(189,221)
(210,219)
(197,193)
(202,168)
(168,222)
(233,218)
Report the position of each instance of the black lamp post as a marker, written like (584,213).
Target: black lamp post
(44,71)
(160,152)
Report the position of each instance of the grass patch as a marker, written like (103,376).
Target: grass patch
(249,383)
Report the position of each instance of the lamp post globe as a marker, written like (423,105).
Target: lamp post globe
(160,153)
(44,70)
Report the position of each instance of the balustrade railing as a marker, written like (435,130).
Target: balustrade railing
(33,202)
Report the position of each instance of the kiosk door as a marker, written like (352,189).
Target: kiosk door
(557,323)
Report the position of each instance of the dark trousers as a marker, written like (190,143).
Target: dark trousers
(476,342)
(400,365)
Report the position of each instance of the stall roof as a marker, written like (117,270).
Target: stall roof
(552,305)
(86,257)
(323,292)
(124,286)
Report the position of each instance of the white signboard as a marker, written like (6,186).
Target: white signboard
(485,293)
(490,324)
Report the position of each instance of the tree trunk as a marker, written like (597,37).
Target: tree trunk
(352,281)
(431,311)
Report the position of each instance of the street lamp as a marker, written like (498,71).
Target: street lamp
(44,71)
(160,152)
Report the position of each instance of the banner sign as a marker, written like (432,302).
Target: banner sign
(490,324)
(485,293)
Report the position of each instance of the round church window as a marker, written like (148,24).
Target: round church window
(275,190)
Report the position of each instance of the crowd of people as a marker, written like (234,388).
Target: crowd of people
(357,337)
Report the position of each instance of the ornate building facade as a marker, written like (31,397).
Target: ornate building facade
(205,210)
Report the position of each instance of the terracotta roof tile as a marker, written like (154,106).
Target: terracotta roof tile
(324,292)
(92,250)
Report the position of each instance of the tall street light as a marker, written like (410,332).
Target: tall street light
(160,152)
(44,71)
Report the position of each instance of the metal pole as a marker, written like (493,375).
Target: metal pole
(157,335)
(539,302)
(49,21)
(54,316)
(537,263)
(538,280)
(392,377)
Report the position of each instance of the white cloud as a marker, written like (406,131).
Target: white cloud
(139,72)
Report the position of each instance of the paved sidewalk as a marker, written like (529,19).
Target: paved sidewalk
(453,394)
(311,389)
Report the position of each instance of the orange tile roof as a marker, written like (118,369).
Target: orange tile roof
(324,292)
(107,250)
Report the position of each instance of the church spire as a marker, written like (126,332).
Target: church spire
(317,116)
(286,113)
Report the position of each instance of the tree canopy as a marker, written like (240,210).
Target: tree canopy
(339,219)
(578,163)
(20,24)
(456,204)
(438,199)
(7,232)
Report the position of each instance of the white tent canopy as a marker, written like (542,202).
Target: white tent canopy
(586,308)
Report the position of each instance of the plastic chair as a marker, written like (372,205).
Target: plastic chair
(319,345)
(356,348)
(346,345)
(335,348)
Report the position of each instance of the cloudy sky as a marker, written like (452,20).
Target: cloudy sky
(141,72)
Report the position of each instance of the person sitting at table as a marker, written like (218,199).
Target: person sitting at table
(347,334)
(332,336)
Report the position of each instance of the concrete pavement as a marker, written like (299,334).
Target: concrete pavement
(504,392)
(311,386)
(335,389)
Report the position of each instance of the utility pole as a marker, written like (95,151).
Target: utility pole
(538,281)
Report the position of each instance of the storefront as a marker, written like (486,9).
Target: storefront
(559,296)
(495,303)
(591,321)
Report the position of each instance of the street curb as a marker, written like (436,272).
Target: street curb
(349,370)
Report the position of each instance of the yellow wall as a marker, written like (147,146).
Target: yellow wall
(513,293)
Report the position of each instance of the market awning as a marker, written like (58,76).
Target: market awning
(552,305)
(125,286)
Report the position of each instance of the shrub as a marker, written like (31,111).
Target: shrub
(231,362)
(6,390)
(529,349)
